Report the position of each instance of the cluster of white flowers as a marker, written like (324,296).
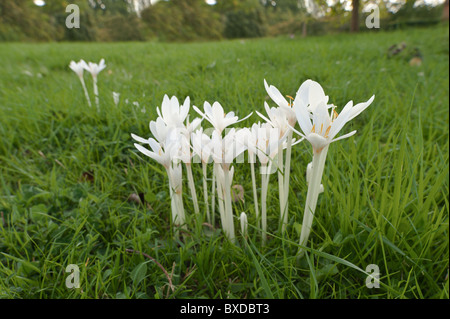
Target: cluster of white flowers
(177,140)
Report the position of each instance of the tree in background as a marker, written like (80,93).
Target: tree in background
(354,27)
(117,20)
(242,19)
(22,20)
(445,11)
(190,20)
(182,20)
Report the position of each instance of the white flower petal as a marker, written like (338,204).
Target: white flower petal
(311,93)
(344,136)
(275,95)
(340,121)
(302,114)
(139,139)
(358,108)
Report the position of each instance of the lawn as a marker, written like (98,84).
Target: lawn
(74,190)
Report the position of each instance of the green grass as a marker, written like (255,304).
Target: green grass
(66,171)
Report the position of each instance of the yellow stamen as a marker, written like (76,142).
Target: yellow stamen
(313,129)
(321,128)
(327,131)
(291,98)
(335,114)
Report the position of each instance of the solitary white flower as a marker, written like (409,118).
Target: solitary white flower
(319,125)
(79,67)
(95,68)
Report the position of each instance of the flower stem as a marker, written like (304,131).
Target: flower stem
(228,206)
(220,195)
(192,187)
(287,171)
(264,187)
(86,94)
(205,191)
(178,217)
(318,165)
(213,196)
(280,180)
(255,193)
(96,93)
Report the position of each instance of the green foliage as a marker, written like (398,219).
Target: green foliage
(21,20)
(193,20)
(408,15)
(118,27)
(244,24)
(182,20)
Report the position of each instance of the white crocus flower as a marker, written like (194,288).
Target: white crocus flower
(311,93)
(95,69)
(163,156)
(201,145)
(320,124)
(166,156)
(277,118)
(159,129)
(191,126)
(281,101)
(217,117)
(264,141)
(223,152)
(78,68)
(284,123)
(172,113)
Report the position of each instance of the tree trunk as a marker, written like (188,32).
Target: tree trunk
(304,30)
(445,11)
(354,27)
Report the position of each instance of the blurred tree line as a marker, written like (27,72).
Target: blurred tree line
(189,20)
